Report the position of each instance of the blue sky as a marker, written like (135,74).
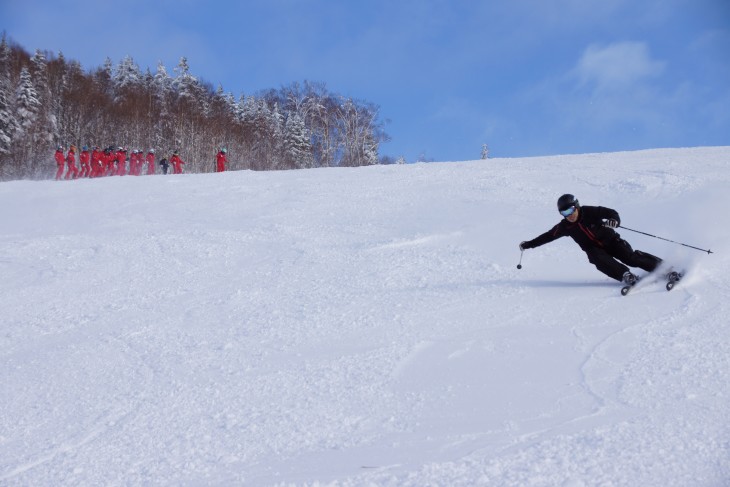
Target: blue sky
(526,77)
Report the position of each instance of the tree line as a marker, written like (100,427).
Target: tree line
(47,100)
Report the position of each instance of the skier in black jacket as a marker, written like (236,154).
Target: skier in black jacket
(592,228)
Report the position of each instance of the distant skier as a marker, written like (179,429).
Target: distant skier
(110,156)
(72,172)
(84,160)
(165,165)
(592,228)
(221,160)
(121,158)
(177,163)
(150,162)
(96,167)
(134,163)
(60,162)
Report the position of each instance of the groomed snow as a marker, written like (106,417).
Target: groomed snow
(365,326)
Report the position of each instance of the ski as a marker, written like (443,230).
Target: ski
(670,278)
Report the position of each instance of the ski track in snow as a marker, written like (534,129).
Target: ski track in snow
(364,327)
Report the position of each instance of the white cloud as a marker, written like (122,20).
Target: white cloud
(617,66)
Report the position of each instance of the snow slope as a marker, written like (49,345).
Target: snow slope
(364,326)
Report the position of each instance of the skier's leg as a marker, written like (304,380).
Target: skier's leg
(606,264)
(635,258)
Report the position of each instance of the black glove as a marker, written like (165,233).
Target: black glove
(524,245)
(611,223)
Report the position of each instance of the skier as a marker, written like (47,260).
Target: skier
(60,162)
(96,162)
(165,165)
(221,160)
(121,158)
(72,172)
(107,162)
(109,158)
(150,161)
(176,163)
(84,158)
(135,162)
(592,228)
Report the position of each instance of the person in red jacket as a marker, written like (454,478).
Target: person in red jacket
(84,159)
(95,162)
(109,158)
(150,161)
(176,163)
(121,157)
(60,162)
(72,172)
(134,163)
(221,160)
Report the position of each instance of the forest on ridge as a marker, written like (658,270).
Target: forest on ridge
(47,100)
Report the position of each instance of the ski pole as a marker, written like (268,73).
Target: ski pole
(665,239)
(519,266)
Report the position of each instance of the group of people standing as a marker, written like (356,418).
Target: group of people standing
(116,162)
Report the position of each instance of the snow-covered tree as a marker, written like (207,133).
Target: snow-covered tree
(485,151)
(127,79)
(358,133)
(8,122)
(369,149)
(161,106)
(263,125)
(46,128)
(162,89)
(28,104)
(231,104)
(276,144)
(297,146)
(189,89)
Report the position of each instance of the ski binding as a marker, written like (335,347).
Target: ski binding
(672,278)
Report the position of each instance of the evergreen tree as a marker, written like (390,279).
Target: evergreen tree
(45,129)
(277,138)
(28,104)
(8,123)
(189,89)
(127,80)
(162,90)
(297,146)
(263,132)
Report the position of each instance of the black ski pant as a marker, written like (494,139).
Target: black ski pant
(606,259)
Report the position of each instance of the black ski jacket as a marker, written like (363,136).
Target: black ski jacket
(588,231)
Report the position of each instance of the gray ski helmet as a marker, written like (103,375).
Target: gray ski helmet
(566,201)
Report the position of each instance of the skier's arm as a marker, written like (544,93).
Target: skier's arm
(547,237)
(609,214)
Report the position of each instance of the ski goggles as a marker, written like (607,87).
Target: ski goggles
(568,211)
